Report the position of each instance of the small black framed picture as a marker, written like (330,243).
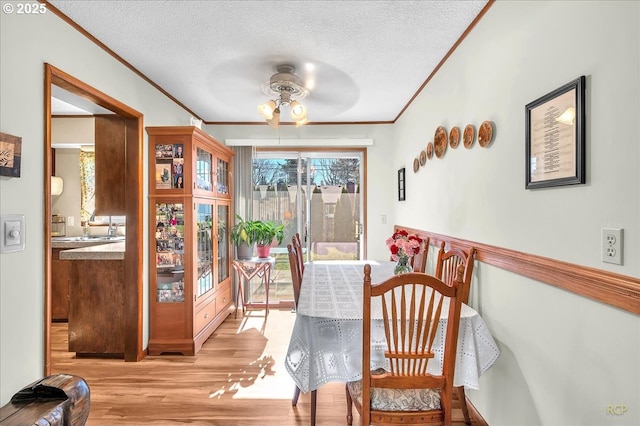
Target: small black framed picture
(555,137)
(401,185)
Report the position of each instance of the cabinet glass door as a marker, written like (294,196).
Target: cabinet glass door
(222,177)
(169,252)
(204,164)
(223,242)
(204,249)
(169,166)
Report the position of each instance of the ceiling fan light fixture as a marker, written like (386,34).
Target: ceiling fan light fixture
(284,80)
(288,87)
(298,111)
(302,122)
(267,110)
(275,120)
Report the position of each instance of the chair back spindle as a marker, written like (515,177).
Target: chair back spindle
(297,243)
(296,276)
(419,261)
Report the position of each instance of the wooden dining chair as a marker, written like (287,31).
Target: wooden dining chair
(296,278)
(296,274)
(297,243)
(420,260)
(446,266)
(405,392)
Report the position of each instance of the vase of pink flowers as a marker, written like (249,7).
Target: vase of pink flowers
(403,247)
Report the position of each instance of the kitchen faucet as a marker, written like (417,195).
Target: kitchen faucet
(112,228)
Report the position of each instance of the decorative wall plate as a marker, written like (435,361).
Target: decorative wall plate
(423,157)
(454,137)
(485,133)
(440,141)
(416,165)
(469,136)
(430,150)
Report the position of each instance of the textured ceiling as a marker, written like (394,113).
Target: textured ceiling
(363,60)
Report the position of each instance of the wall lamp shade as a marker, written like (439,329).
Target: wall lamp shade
(57,185)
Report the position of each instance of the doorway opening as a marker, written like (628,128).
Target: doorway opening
(132,193)
(318,194)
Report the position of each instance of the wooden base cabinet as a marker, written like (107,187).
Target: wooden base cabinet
(60,273)
(190,209)
(110,149)
(96,308)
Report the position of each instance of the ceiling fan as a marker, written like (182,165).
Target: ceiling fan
(288,89)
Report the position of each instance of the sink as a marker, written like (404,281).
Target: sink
(105,238)
(89,238)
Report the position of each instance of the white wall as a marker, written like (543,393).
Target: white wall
(27,42)
(70,134)
(77,131)
(564,357)
(68,203)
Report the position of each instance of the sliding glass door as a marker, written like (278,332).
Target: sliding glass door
(317,194)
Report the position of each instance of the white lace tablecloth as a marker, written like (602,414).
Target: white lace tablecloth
(326,341)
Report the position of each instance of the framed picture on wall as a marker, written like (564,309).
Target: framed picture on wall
(555,137)
(10,155)
(401,184)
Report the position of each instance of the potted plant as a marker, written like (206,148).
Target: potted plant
(242,236)
(264,235)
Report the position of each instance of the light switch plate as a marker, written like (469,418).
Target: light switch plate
(12,233)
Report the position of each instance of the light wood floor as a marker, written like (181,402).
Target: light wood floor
(237,378)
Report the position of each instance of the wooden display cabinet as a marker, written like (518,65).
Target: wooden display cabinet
(190,263)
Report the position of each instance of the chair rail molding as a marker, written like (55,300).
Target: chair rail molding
(614,289)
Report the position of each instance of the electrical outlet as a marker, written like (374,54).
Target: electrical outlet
(612,245)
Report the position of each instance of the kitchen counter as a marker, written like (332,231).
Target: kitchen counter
(101,251)
(74,243)
(63,265)
(90,274)
(79,241)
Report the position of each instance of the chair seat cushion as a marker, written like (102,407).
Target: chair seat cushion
(384,399)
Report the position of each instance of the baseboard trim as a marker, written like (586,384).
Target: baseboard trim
(476,418)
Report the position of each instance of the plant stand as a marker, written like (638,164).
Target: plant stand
(248,269)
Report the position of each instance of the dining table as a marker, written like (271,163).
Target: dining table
(326,340)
